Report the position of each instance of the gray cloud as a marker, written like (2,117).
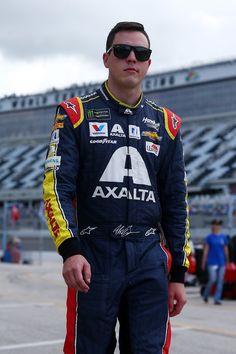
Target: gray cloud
(181,32)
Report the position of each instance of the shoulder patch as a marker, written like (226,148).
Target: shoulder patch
(74,109)
(172,123)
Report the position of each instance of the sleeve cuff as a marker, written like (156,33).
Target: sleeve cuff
(177,274)
(70,247)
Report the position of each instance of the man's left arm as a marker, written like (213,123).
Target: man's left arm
(172,188)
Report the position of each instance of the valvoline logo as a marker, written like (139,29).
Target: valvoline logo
(98,129)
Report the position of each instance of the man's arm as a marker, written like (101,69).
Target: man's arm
(172,187)
(226,252)
(60,183)
(204,256)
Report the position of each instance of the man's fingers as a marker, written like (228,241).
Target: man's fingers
(176,309)
(73,273)
(171,304)
(177,298)
(80,283)
(87,272)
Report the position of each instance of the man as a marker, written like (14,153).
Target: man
(114,171)
(215,255)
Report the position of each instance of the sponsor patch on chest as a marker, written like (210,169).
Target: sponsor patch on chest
(152,148)
(98,129)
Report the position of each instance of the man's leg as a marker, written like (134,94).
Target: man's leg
(219,284)
(147,296)
(124,331)
(211,281)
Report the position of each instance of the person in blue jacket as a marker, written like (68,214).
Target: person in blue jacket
(215,256)
(114,177)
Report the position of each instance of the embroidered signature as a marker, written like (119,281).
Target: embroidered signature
(123,231)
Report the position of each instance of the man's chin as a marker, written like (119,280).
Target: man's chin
(131,83)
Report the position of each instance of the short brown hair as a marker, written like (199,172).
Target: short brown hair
(125,26)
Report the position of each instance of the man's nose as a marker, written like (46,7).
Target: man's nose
(131,56)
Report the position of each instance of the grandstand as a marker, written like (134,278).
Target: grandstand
(203,95)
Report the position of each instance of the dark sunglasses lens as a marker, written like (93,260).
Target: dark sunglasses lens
(142,54)
(121,52)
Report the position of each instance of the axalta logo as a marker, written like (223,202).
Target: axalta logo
(116,171)
(118,193)
(151,123)
(52,220)
(98,129)
(117,131)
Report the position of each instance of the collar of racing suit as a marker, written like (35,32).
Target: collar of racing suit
(116,104)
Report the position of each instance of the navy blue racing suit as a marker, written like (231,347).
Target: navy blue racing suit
(114,174)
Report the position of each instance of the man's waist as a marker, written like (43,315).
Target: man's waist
(119,231)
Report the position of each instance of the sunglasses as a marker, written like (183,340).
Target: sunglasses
(122,51)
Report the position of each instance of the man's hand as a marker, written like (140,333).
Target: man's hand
(77,273)
(177,298)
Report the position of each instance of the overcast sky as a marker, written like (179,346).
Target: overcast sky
(57,43)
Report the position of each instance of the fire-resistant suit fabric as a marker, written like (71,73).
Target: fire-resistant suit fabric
(113,173)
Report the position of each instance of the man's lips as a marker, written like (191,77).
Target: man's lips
(131,70)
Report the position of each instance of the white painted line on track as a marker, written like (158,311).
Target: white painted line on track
(31,345)
(14,305)
(178,329)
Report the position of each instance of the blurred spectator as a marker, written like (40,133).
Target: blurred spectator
(15,214)
(7,257)
(12,253)
(215,255)
(16,251)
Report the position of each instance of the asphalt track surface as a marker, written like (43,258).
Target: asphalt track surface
(32,315)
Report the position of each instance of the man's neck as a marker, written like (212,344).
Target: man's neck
(129,96)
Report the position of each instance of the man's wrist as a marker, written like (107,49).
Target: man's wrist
(70,247)
(177,274)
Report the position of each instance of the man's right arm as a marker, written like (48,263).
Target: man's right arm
(61,172)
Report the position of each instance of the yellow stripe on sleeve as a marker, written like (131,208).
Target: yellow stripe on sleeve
(56,220)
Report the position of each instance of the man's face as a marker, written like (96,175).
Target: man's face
(215,228)
(128,72)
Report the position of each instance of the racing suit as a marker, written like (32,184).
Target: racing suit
(113,173)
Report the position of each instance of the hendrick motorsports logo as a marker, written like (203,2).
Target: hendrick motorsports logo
(151,123)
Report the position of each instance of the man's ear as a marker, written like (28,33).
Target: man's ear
(105,59)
